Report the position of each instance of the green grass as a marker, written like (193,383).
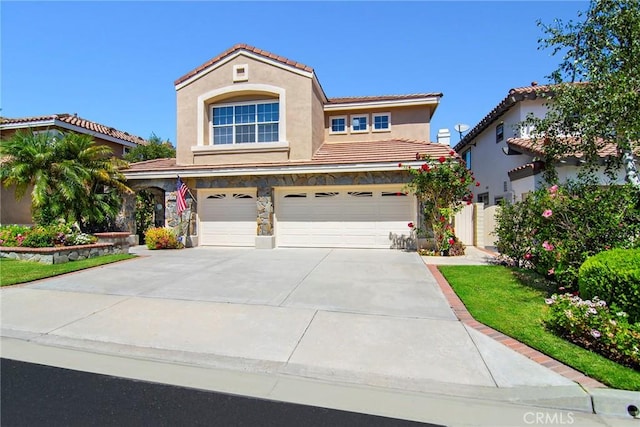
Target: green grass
(512,302)
(13,272)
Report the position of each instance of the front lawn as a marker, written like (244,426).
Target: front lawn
(513,303)
(13,271)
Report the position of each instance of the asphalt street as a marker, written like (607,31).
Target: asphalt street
(37,395)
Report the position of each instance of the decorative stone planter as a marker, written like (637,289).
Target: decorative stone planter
(120,239)
(61,254)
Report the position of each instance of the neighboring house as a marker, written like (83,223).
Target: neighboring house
(505,159)
(19,211)
(274,162)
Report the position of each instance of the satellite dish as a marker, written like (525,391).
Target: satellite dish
(460,127)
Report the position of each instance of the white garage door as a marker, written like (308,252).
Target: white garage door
(227,217)
(355,217)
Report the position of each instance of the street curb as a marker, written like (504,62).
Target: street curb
(461,312)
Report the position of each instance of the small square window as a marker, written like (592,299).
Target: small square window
(359,124)
(499,132)
(338,125)
(381,122)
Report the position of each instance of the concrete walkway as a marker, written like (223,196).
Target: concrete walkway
(357,322)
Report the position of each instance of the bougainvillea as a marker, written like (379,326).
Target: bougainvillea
(443,187)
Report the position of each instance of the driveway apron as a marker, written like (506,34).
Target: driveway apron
(373,317)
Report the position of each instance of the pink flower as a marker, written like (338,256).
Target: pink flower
(547,246)
(595,333)
(553,189)
(410,225)
(551,272)
(547,213)
(451,241)
(527,256)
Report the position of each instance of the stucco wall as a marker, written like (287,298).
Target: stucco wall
(218,86)
(406,122)
(489,163)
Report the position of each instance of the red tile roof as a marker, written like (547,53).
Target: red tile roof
(359,99)
(344,153)
(72,119)
(536,147)
(515,95)
(242,46)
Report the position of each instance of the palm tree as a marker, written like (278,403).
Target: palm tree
(72,177)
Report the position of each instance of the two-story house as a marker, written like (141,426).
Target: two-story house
(505,158)
(14,211)
(274,162)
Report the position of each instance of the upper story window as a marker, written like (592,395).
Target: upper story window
(381,122)
(499,132)
(467,158)
(359,123)
(245,123)
(338,124)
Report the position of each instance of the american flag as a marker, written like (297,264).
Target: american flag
(181,202)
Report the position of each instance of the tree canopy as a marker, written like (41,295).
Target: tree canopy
(594,105)
(73,178)
(155,149)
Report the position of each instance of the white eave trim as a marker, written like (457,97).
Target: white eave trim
(61,124)
(233,56)
(391,103)
(274,170)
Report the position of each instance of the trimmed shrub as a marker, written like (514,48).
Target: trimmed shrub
(613,276)
(162,238)
(43,236)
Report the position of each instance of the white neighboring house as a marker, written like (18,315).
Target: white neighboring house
(504,159)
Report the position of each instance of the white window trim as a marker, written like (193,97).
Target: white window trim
(346,125)
(355,116)
(235,104)
(373,119)
(208,98)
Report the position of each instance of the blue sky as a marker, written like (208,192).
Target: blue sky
(115,62)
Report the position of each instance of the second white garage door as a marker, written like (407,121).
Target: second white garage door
(354,217)
(227,217)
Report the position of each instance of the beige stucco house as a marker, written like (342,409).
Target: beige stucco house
(506,159)
(14,211)
(273,162)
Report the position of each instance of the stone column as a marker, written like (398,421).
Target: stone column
(265,238)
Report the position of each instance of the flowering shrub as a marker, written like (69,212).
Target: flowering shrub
(80,239)
(162,238)
(43,236)
(615,277)
(442,187)
(555,229)
(592,325)
(12,235)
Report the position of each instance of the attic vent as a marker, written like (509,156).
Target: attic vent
(241,73)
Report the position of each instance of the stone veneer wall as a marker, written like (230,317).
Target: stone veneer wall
(60,255)
(108,244)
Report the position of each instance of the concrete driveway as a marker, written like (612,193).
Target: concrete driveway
(371,317)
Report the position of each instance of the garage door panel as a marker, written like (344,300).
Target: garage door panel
(228,218)
(350,218)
